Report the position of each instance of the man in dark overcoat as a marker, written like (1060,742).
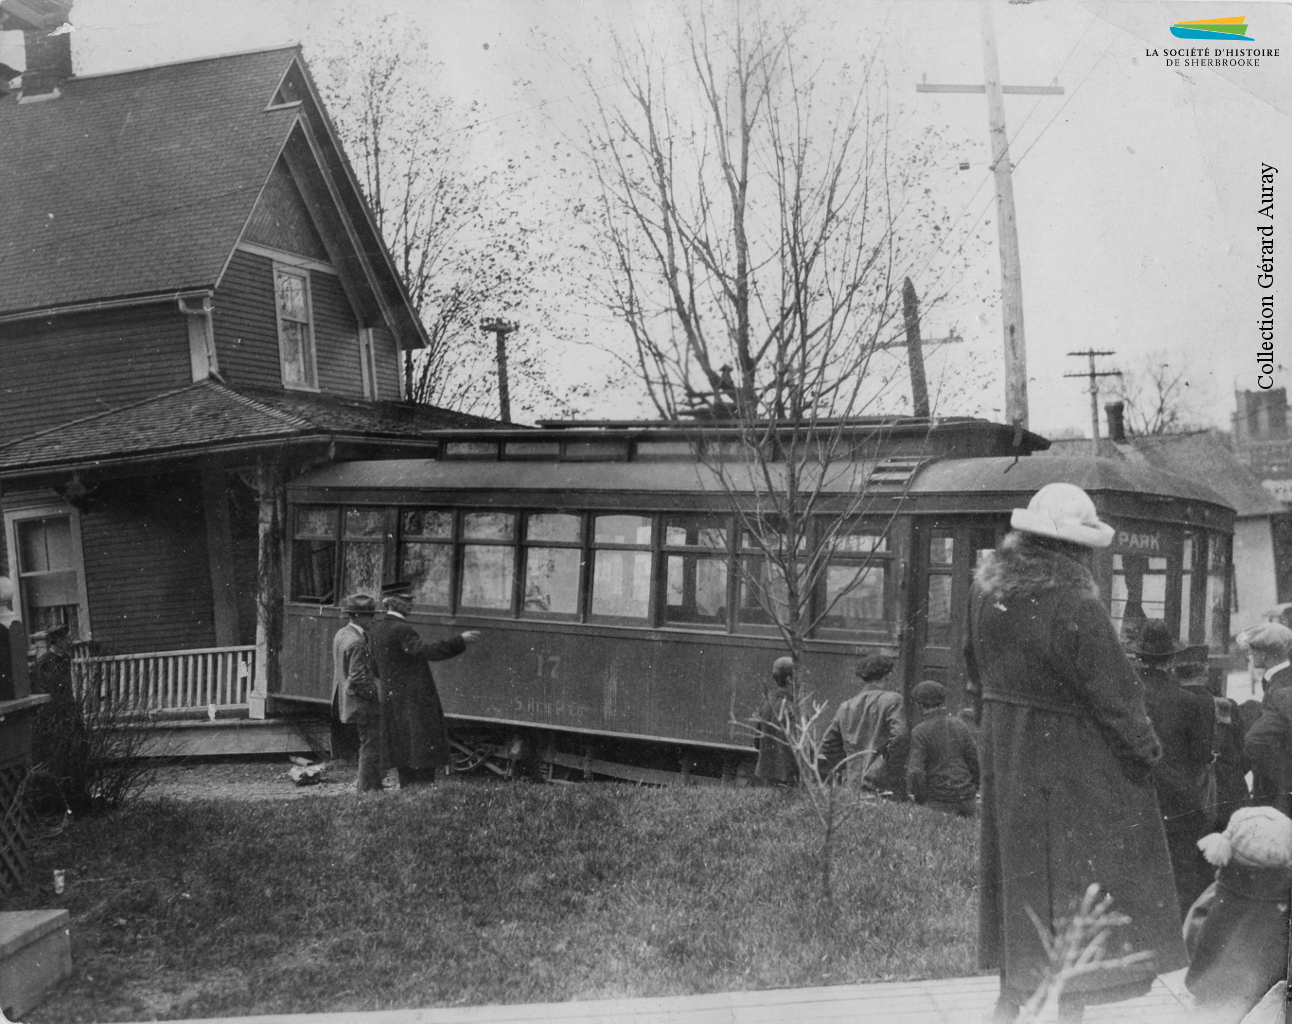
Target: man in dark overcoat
(415,737)
(1185,724)
(354,693)
(1067,754)
(776,764)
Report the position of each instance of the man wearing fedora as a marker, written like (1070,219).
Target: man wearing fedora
(1067,754)
(354,692)
(415,737)
(1185,723)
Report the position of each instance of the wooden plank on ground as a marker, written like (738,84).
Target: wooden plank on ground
(948,1001)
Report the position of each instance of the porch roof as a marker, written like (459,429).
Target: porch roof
(211,415)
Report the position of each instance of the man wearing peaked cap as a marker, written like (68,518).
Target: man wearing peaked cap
(942,767)
(869,729)
(414,734)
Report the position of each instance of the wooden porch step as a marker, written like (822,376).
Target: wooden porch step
(201,737)
(35,955)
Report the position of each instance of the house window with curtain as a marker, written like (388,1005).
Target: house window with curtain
(295,327)
(49,572)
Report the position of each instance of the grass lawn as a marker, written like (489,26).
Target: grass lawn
(484,892)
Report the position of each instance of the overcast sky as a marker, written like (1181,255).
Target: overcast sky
(1136,190)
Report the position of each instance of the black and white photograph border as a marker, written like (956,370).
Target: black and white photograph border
(645,379)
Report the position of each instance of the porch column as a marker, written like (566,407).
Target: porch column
(269,589)
(219,550)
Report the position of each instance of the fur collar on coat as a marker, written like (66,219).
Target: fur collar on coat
(1021,566)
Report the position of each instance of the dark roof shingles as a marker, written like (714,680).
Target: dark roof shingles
(135,183)
(210,414)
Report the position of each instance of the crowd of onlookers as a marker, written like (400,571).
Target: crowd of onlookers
(1092,760)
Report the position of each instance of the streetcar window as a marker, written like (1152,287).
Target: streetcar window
(621,562)
(426,557)
(314,555)
(488,569)
(1139,592)
(363,559)
(696,575)
(937,596)
(1186,589)
(764,594)
(552,573)
(1217,606)
(856,592)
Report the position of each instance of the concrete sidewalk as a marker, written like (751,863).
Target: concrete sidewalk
(951,1001)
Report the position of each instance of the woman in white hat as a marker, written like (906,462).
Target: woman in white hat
(1067,754)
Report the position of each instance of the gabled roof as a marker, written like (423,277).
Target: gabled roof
(1201,456)
(211,416)
(135,183)
(140,183)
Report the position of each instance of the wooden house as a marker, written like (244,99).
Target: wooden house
(196,305)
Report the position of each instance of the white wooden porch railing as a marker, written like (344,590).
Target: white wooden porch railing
(171,679)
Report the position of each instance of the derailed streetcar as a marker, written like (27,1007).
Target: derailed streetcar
(622,636)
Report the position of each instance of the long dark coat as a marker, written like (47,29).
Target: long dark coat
(776,762)
(1067,753)
(413,730)
(1185,724)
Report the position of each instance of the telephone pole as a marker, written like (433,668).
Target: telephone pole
(500,329)
(1094,376)
(1011,280)
(914,346)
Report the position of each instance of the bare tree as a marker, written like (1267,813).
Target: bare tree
(1156,397)
(463,237)
(757,226)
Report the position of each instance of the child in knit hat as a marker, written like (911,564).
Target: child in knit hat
(1237,931)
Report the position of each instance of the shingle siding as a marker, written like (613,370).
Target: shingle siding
(69,367)
(246,328)
(336,338)
(389,368)
(246,323)
(146,570)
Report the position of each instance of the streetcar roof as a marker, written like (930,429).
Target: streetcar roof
(1008,479)
(1028,475)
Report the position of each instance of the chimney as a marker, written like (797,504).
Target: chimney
(49,63)
(47,42)
(1115,412)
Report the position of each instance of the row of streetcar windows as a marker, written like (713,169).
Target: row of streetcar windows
(613,567)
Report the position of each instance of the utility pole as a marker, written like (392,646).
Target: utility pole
(1011,280)
(1094,376)
(915,346)
(500,329)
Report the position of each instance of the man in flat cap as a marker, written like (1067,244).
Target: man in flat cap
(354,693)
(1267,746)
(776,764)
(870,730)
(942,767)
(1270,643)
(415,737)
